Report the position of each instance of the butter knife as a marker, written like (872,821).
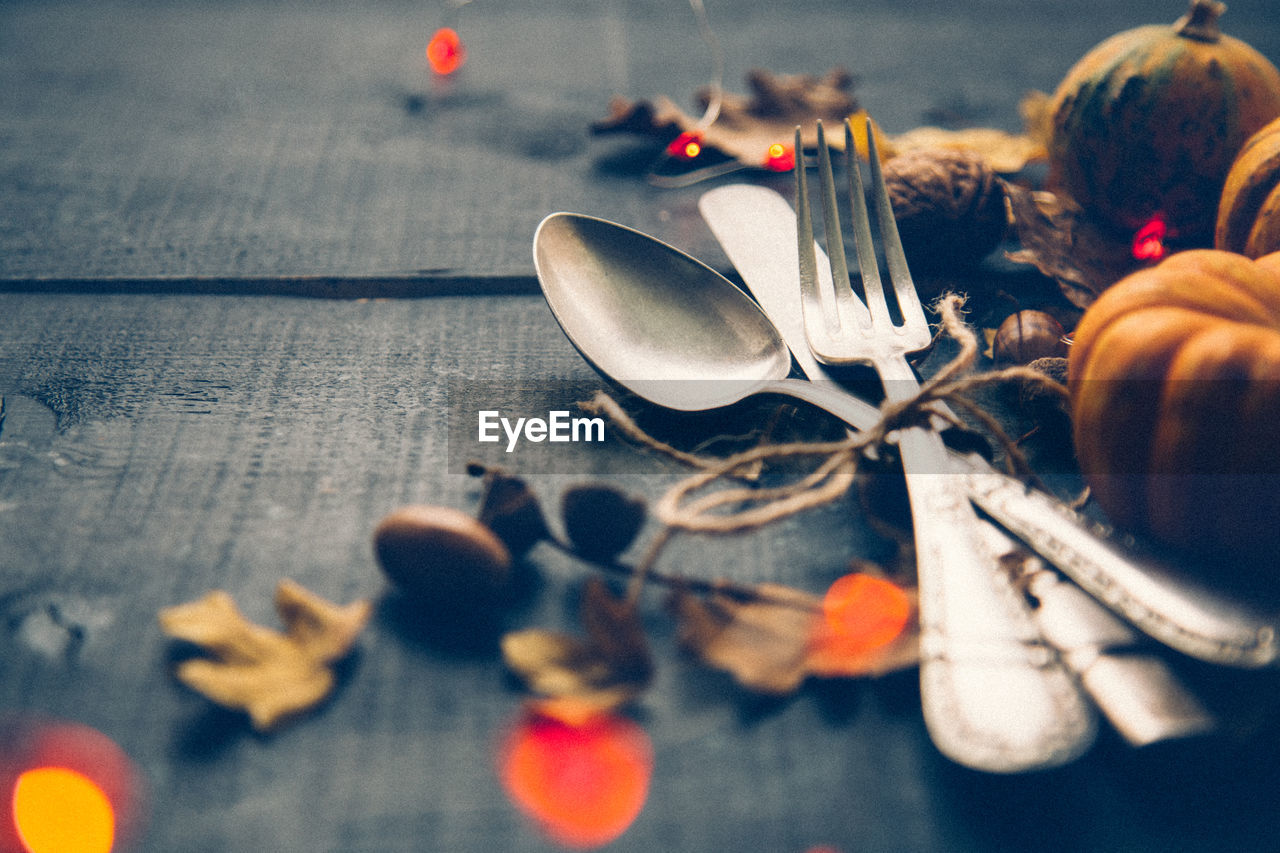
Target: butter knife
(1136,690)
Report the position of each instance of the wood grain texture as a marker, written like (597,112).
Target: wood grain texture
(290,138)
(159,446)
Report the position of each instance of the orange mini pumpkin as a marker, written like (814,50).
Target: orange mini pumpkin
(1174,376)
(1249,212)
(1150,120)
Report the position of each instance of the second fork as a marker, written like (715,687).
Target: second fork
(995,696)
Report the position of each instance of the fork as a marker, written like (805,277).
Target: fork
(995,696)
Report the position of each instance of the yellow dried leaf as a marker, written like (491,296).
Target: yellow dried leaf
(1003,151)
(605,669)
(268,674)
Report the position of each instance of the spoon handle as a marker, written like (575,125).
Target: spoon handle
(995,696)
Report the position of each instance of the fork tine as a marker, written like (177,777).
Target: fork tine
(862,239)
(831,218)
(847,310)
(895,259)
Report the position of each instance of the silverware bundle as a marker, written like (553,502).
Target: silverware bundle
(1008,659)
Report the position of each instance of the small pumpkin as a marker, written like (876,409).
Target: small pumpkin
(1174,377)
(1150,120)
(1249,212)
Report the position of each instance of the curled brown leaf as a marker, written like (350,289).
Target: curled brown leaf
(747,125)
(1059,240)
(773,641)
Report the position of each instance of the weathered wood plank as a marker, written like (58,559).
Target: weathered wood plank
(156,447)
(288,138)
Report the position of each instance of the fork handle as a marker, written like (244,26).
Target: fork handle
(993,692)
(995,696)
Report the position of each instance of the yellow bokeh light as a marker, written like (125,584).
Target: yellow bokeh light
(57,810)
(692,150)
(777,149)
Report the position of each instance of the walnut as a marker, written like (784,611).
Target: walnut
(1029,335)
(949,205)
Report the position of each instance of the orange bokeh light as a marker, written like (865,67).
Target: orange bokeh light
(1148,242)
(861,613)
(583,784)
(65,787)
(57,810)
(445,52)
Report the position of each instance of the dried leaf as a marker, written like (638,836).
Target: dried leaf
(1060,241)
(772,642)
(270,675)
(763,643)
(604,670)
(1003,151)
(746,126)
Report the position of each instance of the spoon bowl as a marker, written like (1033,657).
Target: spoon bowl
(653,319)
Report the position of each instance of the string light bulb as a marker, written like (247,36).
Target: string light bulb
(1148,242)
(780,157)
(686,146)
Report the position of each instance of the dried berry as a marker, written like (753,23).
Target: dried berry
(1028,335)
(442,557)
(600,520)
(949,205)
(511,510)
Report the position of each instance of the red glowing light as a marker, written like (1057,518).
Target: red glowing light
(446,52)
(584,784)
(68,788)
(686,146)
(780,158)
(861,614)
(1148,242)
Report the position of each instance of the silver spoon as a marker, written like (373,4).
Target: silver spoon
(664,325)
(680,335)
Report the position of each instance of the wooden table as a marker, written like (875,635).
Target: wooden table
(180,182)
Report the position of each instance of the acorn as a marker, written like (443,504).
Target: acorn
(442,557)
(600,520)
(1028,335)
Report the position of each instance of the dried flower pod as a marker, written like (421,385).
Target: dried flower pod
(1028,335)
(949,205)
(1041,400)
(600,520)
(511,510)
(442,557)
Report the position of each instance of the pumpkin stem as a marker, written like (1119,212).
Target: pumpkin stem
(1201,21)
